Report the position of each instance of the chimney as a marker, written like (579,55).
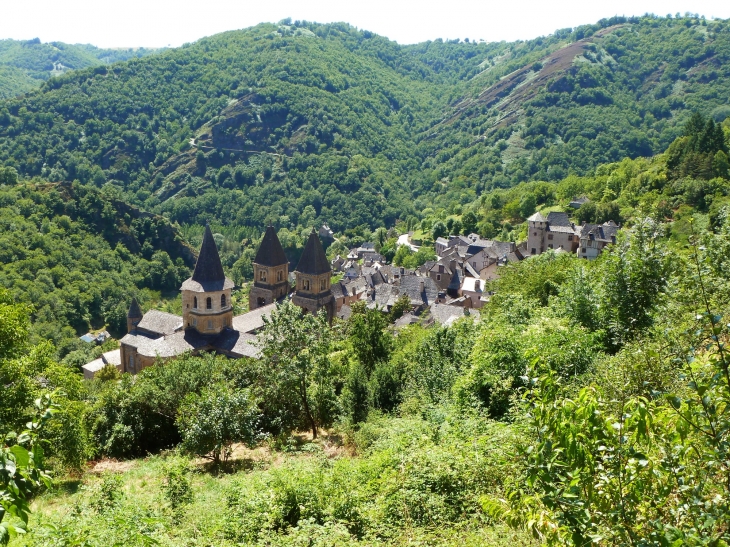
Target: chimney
(422,285)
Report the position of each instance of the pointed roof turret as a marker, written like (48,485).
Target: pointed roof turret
(313,261)
(208,268)
(537,217)
(134,310)
(270,252)
(208,274)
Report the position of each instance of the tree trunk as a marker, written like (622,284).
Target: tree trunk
(308,412)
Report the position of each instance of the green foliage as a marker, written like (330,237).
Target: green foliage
(294,377)
(211,422)
(370,341)
(22,471)
(130,418)
(406,257)
(26,64)
(177,488)
(77,254)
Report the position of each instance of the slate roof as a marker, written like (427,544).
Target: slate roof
(160,322)
(239,344)
(405,320)
(345,312)
(556,218)
(576,203)
(385,296)
(602,232)
(230,341)
(537,217)
(134,311)
(253,320)
(442,312)
(313,261)
(270,251)
(113,357)
(208,267)
(561,229)
(411,285)
(208,275)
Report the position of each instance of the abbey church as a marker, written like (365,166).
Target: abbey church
(207,322)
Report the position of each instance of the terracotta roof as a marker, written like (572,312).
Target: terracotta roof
(270,252)
(208,268)
(134,311)
(313,261)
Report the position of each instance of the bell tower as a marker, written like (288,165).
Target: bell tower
(134,316)
(270,270)
(314,276)
(206,296)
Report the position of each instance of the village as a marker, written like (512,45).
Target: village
(440,291)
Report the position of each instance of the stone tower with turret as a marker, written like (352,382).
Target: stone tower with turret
(134,316)
(536,227)
(314,275)
(271,272)
(206,296)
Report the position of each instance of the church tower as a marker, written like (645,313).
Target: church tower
(314,276)
(206,296)
(271,272)
(134,316)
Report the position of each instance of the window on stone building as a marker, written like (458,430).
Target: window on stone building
(195,322)
(131,362)
(195,302)
(550,236)
(262,275)
(533,251)
(210,325)
(223,301)
(305,284)
(438,277)
(322,284)
(279,275)
(209,303)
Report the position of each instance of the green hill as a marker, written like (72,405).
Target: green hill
(306,123)
(26,64)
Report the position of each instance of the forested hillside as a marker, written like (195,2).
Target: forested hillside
(306,123)
(76,255)
(586,405)
(26,64)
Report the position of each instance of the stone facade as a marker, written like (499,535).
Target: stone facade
(271,284)
(207,312)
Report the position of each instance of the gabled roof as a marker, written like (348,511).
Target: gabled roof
(208,268)
(134,311)
(313,261)
(270,252)
(556,218)
(160,322)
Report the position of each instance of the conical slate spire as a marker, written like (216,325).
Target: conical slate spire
(313,261)
(270,252)
(208,268)
(134,310)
